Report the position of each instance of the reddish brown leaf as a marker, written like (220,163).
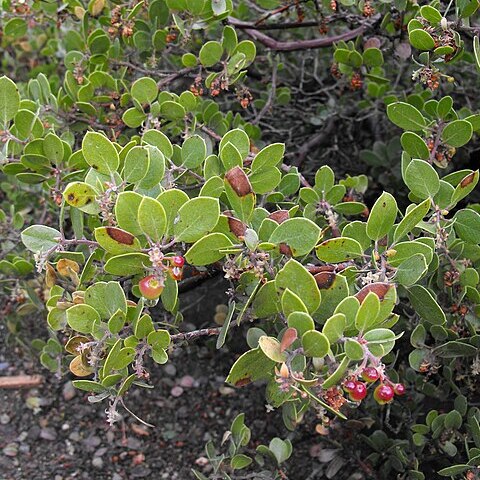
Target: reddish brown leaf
(325,279)
(379,289)
(288,338)
(120,236)
(237,227)
(467,180)
(242,382)
(279,216)
(285,250)
(239,181)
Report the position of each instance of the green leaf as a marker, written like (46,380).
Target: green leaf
(171,201)
(268,157)
(296,277)
(9,100)
(302,322)
(251,366)
(126,211)
(40,238)
(160,140)
(300,235)
(144,90)
(457,133)
(82,196)
(133,117)
(156,170)
(240,461)
(421,39)
(231,156)
(406,116)
(270,346)
(137,163)
(425,305)
(431,14)
(106,298)
(382,216)
(194,151)
(334,327)
(196,217)
(476,50)
(210,53)
(324,180)
(172,110)
(411,219)
(354,350)
(291,302)
(455,349)
(159,339)
(144,326)
(239,139)
(368,312)
(88,386)
(338,249)
(207,250)
(422,179)
(467,225)
(82,317)
(411,270)
(100,153)
(115,240)
(315,344)
(152,218)
(414,145)
(53,148)
(373,57)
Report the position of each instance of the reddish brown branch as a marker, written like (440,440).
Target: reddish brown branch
(21,381)
(196,333)
(277,45)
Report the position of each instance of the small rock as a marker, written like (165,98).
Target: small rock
(187,381)
(4,419)
(226,390)
(116,476)
(48,434)
(170,369)
(65,426)
(69,391)
(201,461)
(176,391)
(100,452)
(92,441)
(97,462)
(11,450)
(75,437)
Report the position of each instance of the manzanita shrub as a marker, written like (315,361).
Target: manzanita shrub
(147,172)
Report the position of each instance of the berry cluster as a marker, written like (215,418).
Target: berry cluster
(382,394)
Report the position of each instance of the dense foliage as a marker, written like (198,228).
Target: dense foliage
(154,144)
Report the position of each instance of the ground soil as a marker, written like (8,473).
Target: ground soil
(53,433)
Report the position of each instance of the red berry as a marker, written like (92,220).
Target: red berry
(370,374)
(399,389)
(383,394)
(349,386)
(359,392)
(150,287)
(178,261)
